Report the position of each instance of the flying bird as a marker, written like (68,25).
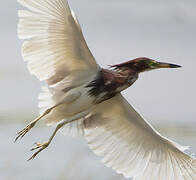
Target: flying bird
(83,99)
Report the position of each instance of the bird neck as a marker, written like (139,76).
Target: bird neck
(108,83)
(130,75)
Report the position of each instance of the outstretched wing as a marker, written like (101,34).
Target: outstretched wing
(56,52)
(132,147)
(55,48)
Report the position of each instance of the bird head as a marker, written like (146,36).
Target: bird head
(143,64)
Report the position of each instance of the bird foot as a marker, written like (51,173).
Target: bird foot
(40,148)
(24,131)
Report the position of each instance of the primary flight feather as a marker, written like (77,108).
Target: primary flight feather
(81,98)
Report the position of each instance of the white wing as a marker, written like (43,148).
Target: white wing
(55,50)
(132,147)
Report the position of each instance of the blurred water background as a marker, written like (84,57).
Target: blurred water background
(116,31)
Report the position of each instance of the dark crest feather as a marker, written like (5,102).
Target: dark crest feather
(124,64)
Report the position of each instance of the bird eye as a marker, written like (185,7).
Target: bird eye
(152,64)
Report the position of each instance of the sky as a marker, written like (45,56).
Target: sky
(117,31)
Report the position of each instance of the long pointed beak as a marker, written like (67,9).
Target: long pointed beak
(167,65)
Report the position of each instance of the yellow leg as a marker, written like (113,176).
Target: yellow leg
(24,131)
(42,146)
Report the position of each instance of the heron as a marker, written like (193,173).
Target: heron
(83,99)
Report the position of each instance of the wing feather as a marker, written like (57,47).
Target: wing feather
(55,48)
(55,51)
(132,147)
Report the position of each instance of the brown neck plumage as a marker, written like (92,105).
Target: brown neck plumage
(108,83)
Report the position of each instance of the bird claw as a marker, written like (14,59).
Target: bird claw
(40,148)
(24,131)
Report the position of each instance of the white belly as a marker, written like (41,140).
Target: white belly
(82,103)
(71,103)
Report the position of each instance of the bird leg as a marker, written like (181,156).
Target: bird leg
(24,131)
(44,145)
